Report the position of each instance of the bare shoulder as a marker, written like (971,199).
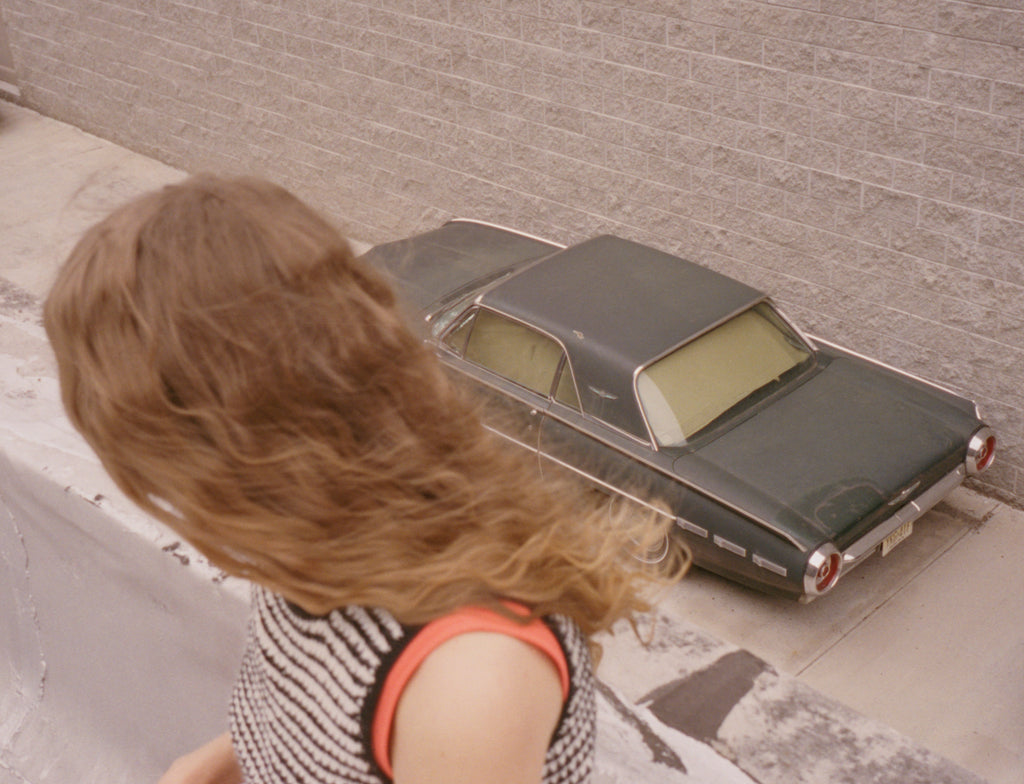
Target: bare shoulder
(481,708)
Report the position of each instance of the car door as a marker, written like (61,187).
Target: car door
(509,365)
(605,457)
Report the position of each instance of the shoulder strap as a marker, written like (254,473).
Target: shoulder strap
(439,631)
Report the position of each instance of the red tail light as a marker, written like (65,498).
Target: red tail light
(822,570)
(981,450)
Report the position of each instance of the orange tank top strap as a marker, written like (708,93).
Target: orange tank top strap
(439,631)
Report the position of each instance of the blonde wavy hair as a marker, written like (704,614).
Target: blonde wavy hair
(246,380)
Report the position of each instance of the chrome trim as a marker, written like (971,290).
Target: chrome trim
(498,226)
(771,566)
(595,480)
(895,370)
(864,546)
(903,496)
(814,562)
(693,528)
(653,442)
(974,447)
(514,440)
(731,547)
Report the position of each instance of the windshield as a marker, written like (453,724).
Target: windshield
(722,371)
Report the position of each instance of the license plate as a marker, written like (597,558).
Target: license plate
(897,536)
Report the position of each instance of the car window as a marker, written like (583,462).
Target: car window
(565,392)
(456,338)
(513,350)
(736,362)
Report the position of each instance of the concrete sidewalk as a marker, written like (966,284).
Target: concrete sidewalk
(732,689)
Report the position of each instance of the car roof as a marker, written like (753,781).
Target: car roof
(616,305)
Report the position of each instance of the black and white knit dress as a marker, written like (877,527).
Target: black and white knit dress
(307,693)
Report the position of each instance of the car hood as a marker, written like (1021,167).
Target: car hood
(837,452)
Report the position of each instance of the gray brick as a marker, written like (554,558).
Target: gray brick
(931,50)
(737,45)
(815,93)
(868,104)
(857,9)
(713,70)
(921,180)
(844,192)
(949,219)
(766,83)
(988,130)
(601,17)
(960,90)
(690,94)
(691,36)
(625,51)
(812,153)
(761,141)
(644,26)
(790,56)
(927,116)
(901,78)
(866,166)
(690,150)
(918,14)
(1001,233)
(714,128)
(839,129)
(968,21)
(992,61)
(736,106)
(787,117)
(1008,99)
(735,163)
(843,66)
(983,194)
(894,142)
(785,176)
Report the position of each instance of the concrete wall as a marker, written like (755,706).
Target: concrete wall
(859,159)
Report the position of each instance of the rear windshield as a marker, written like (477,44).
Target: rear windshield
(719,374)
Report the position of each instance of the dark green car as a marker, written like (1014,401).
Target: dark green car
(784,461)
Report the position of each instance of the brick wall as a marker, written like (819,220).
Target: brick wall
(859,159)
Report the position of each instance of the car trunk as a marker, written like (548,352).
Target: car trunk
(838,453)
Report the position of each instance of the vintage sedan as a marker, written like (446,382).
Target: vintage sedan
(784,460)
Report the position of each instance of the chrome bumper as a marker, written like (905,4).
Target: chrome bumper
(866,545)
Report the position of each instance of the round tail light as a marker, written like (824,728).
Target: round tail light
(981,450)
(822,570)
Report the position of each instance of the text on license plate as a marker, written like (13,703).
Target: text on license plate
(897,536)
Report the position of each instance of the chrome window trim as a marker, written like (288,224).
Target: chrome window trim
(750,306)
(480,306)
(866,545)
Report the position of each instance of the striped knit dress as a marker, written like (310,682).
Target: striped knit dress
(305,699)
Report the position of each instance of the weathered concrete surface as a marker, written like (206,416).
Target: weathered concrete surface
(116,655)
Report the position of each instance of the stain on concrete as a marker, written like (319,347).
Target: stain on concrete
(698,704)
(660,750)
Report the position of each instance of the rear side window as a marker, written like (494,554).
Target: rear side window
(510,349)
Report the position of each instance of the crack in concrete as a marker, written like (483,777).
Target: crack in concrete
(26,617)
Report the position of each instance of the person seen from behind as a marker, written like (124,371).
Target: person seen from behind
(422,602)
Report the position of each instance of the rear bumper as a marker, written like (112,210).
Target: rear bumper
(867,544)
